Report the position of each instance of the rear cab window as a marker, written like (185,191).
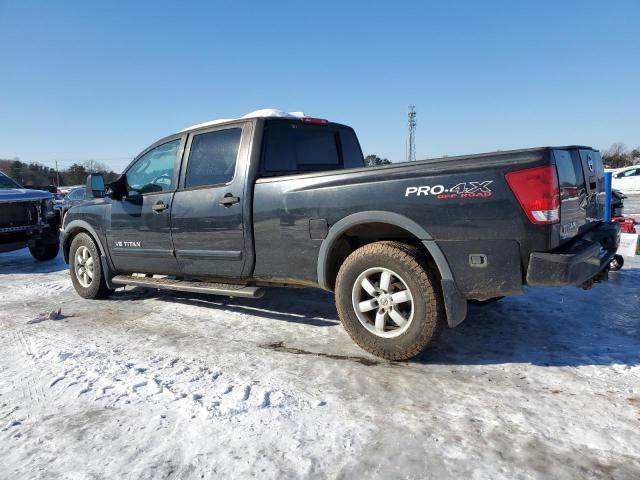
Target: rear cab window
(291,147)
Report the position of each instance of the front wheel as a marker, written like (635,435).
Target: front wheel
(85,268)
(43,252)
(388,300)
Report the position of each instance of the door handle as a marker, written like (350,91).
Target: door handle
(160,206)
(228,200)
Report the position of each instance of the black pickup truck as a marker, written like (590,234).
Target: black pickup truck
(27,219)
(230,207)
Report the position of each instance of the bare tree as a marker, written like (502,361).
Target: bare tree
(617,156)
(93,166)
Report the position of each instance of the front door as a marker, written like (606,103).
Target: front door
(139,231)
(206,217)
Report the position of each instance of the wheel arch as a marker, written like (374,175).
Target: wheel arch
(76,227)
(335,248)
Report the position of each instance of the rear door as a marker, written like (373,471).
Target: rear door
(207,221)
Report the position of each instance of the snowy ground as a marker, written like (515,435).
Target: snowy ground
(177,386)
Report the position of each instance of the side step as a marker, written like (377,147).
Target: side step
(164,283)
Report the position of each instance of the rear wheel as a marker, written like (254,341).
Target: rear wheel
(388,300)
(85,268)
(43,252)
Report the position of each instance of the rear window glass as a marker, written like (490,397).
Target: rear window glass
(291,147)
(351,153)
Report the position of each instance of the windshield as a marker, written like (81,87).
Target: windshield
(6,182)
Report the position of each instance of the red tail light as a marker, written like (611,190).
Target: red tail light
(320,121)
(537,192)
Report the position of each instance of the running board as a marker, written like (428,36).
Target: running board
(227,289)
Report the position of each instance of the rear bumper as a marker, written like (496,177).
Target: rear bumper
(576,263)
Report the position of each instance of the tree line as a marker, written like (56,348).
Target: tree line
(373,160)
(618,156)
(34,174)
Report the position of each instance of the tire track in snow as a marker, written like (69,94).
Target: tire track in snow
(112,378)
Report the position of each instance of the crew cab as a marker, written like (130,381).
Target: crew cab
(274,199)
(27,219)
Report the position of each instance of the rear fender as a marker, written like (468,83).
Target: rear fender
(455,302)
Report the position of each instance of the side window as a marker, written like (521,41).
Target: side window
(212,159)
(292,147)
(153,172)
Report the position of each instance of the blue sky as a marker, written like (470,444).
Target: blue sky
(102,80)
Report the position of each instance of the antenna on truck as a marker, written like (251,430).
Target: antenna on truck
(411,150)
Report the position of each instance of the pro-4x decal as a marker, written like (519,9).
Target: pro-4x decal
(460,190)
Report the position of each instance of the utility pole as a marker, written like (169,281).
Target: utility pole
(57,175)
(411,151)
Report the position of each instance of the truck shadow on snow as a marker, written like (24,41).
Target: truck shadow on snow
(21,262)
(546,327)
(303,306)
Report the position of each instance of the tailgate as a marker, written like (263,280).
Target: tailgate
(581,181)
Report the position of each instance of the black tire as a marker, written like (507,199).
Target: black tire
(406,262)
(485,302)
(43,252)
(97,287)
(616,263)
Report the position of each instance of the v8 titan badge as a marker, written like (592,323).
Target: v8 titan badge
(461,190)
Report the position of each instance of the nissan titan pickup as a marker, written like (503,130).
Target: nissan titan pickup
(272,199)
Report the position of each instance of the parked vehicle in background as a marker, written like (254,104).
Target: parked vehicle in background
(275,199)
(58,200)
(27,219)
(627,180)
(74,196)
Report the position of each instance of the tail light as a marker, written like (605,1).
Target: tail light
(537,192)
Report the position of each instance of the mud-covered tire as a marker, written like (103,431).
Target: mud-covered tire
(43,252)
(97,287)
(428,314)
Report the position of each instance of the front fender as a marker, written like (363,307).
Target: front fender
(69,232)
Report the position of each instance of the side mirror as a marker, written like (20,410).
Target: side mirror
(95,186)
(118,188)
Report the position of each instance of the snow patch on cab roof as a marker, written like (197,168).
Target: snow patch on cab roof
(262,113)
